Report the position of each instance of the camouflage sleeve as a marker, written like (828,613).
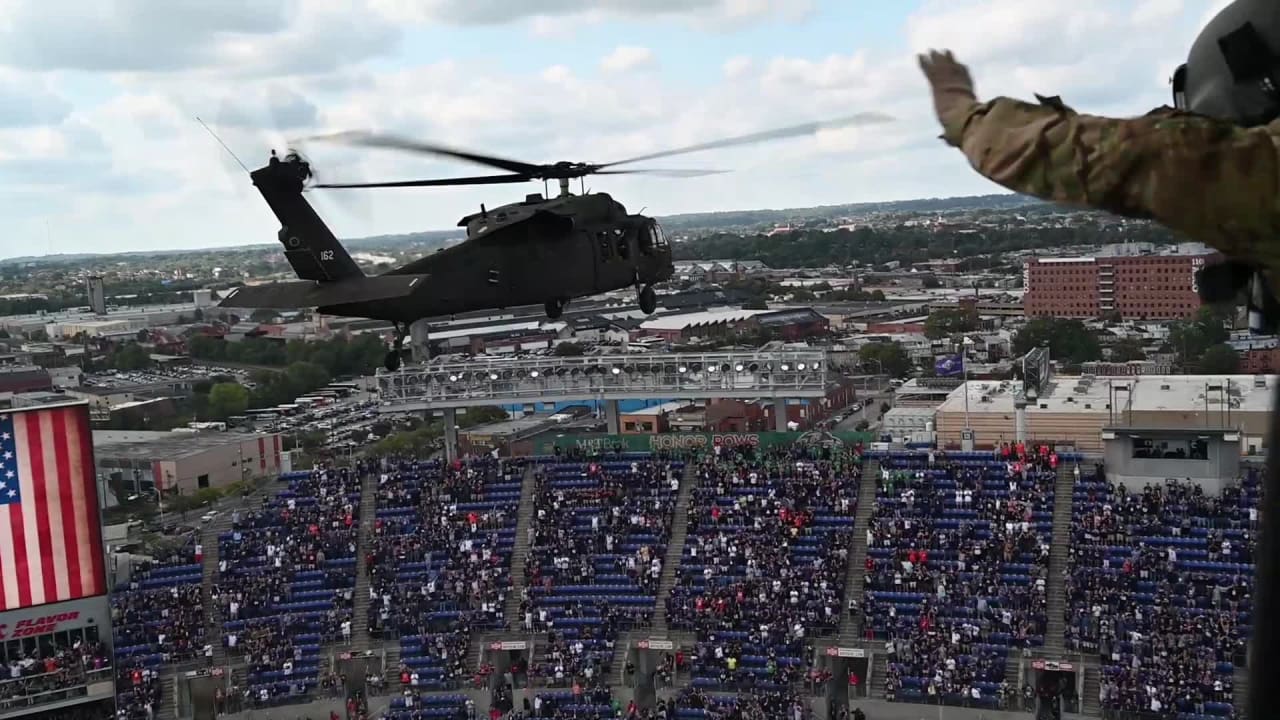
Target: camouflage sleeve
(1216,182)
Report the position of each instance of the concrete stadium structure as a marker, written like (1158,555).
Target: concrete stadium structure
(779,375)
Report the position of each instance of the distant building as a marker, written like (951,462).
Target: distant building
(182,462)
(793,325)
(96,291)
(1138,287)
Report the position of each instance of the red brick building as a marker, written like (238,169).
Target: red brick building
(1139,287)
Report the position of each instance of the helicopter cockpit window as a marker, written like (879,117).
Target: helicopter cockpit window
(650,239)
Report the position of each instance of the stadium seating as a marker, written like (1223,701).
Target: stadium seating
(764,565)
(286,577)
(957,559)
(1160,588)
(158,618)
(440,564)
(600,536)
(422,707)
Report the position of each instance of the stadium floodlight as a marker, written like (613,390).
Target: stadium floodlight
(800,366)
(741,367)
(785,367)
(493,375)
(682,369)
(533,373)
(453,377)
(616,370)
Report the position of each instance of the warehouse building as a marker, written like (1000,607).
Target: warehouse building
(181,463)
(1147,411)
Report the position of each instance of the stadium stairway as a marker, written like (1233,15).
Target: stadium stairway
(360,599)
(209,543)
(1089,700)
(1055,584)
(168,708)
(622,648)
(1013,668)
(675,550)
(856,573)
(1240,687)
(520,551)
(879,671)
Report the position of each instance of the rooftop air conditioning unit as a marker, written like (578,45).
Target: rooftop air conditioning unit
(1164,387)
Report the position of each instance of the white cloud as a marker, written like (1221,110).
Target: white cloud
(135,162)
(626,58)
(737,66)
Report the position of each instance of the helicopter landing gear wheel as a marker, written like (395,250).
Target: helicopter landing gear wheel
(392,361)
(555,308)
(648,300)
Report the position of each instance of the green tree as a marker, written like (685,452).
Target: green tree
(1219,359)
(1127,349)
(756,303)
(569,349)
(227,399)
(264,315)
(888,356)
(947,322)
(1191,338)
(1068,340)
(129,356)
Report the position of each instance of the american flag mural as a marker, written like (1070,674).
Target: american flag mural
(50,527)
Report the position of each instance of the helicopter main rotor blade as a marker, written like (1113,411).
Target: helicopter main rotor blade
(660,172)
(868,118)
(395,143)
(442,182)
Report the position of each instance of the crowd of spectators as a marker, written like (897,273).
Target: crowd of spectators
(765,561)
(440,563)
(759,704)
(158,617)
(159,610)
(1160,587)
(956,569)
(285,580)
(598,543)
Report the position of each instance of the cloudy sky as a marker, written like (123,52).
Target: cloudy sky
(100,150)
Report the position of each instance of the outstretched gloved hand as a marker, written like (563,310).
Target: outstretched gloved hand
(952,88)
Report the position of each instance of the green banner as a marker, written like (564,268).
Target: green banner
(644,442)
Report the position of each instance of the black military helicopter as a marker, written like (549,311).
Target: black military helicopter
(545,250)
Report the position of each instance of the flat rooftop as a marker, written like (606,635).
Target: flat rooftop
(512,426)
(708,317)
(156,445)
(1167,393)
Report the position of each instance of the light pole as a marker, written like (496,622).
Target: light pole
(966,439)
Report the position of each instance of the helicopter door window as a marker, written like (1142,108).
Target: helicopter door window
(624,246)
(606,245)
(494,277)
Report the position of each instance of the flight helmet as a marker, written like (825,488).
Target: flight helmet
(1233,69)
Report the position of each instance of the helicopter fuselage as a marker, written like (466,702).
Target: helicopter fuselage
(533,252)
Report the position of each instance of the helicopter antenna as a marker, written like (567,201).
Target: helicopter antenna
(224,145)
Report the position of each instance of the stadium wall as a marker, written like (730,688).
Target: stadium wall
(547,445)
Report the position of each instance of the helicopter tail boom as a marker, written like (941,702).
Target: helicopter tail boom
(311,248)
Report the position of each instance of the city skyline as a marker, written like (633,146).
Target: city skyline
(100,150)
